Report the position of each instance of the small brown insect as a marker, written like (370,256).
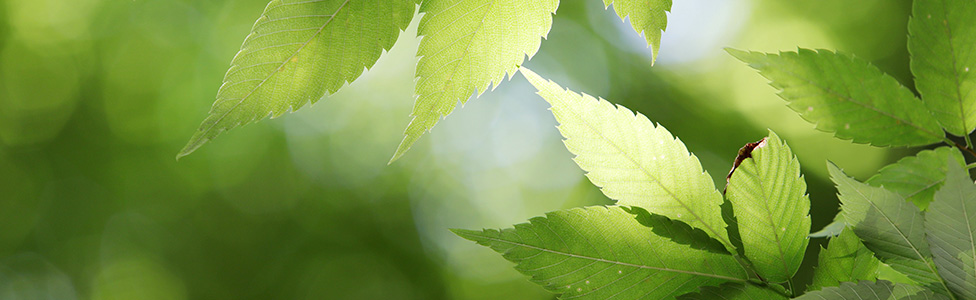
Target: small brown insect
(744,152)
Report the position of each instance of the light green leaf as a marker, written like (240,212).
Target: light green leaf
(738,291)
(468,45)
(648,17)
(950,225)
(298,51)
(848,96)
(917,177)
(941,40)
(867,290)
(890,226)
(768,196)
(845,259)
(633,161)
(832,229)
(607,252)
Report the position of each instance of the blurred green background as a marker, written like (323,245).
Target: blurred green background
(97,97)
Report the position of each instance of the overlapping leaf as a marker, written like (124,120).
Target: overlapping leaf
(867,290)
(942,41)
(737,291)
(848,96)
(768,196)
(917,177)
(467,45)
(890,226)
(844,259)
(604,253)
(632,160)
(647,17)
(296,52)
(950,225)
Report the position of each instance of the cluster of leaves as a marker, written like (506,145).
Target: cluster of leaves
(300,50)
(906,233)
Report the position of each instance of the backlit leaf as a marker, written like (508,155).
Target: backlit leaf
(633,160)
(648,17)
(607,252)
(297,52)
(844,259)
(468,45)
(867,290)
(848,96)
(950,226)
(917,177)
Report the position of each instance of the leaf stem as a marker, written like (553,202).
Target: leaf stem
(969,142)
(789,283)
(966,149)
(971,166)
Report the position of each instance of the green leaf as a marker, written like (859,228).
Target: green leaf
(633,161)
(297,52)
(648,17)
(832,229)
(950,225)
(890,226)
(768,196)
(917,177)
(737,291)
(468,45)
(941,38)
(867,290)
(845,259)
(848,96)
(604,252)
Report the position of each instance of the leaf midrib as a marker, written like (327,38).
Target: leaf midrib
(851,100)
(644,170)
(279,68)
(573,255)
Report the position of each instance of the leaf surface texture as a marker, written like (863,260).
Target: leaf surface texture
(648,17)
(950,225)
(297,51)
(917,177)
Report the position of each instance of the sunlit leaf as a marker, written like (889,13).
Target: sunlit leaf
(768,196)
(844,259)
(633,160)
(848,96)
(647,17)
(942,35)
(890,226)
(950,226)
(832,229)
(297,52)
(867,290)
(737,291)
(917,177)
(467,46)
(607,252)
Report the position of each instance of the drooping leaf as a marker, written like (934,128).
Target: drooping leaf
(832,229)
(890,226)
(467,46)
(950,226)
(844,259)
(917,177)
(607,252)
(297,52)
(738,291)
(633,160)
(768,196)
(941,40)
(848,96)
(867,290)
(648,17)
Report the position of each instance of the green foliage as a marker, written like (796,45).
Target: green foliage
(890,226)
(848,96)
(297,52)
(950,225)
(769,199)
(941,38)
(845,259)
(917,177)
(866,290)
(737,291)
(607,252)
(633,161)
(468,45)
(647,17)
